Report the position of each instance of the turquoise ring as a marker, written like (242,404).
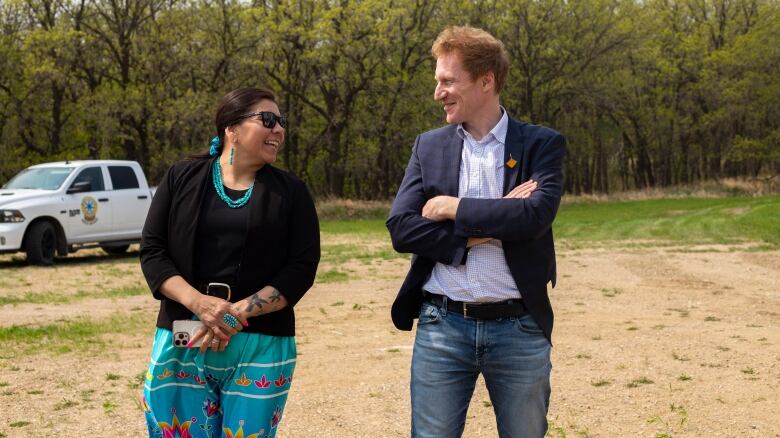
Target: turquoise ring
(230,320)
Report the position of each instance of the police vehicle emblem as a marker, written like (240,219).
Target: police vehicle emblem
(89,208)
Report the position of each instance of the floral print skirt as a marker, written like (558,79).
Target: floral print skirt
(236,393)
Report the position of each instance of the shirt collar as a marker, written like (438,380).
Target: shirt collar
(498,132)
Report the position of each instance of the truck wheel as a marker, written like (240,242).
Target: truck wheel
(115,249)
(41,244)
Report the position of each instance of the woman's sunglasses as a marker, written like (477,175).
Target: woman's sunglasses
(268,118)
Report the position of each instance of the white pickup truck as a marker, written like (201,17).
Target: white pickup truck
(62,207)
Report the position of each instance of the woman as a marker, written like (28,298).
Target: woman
(228,217)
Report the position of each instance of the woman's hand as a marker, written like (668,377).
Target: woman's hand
(211,310)
(209,340)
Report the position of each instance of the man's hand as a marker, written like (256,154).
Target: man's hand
(522,191)
(441,208)
(474,241)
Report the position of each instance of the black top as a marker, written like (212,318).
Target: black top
(220,238)
(281,243)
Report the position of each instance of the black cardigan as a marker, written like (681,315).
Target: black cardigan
(282,243)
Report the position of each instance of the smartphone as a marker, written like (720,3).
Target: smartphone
(184,330)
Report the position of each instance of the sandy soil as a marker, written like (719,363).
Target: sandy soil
(697,331)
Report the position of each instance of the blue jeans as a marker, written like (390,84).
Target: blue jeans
(450,351)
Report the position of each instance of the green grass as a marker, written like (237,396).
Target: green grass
(136,381)
(611,293)
(375,227)
(58,298)
(729,220)
(340,253)
(686,221)
(332,276)
(76,335)
(640,381)
(345,209)
(65,404)
(109,406)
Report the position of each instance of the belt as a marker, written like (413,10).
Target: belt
(501,309)
(217,291)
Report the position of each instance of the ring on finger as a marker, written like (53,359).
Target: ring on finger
(230,320)
(214,338)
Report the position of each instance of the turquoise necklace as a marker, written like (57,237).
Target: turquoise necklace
(216,177)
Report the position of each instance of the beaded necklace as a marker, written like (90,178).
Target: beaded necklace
(216,178)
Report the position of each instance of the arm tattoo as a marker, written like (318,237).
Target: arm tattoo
(255,301)
(275,296)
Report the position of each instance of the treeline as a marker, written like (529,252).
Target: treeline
(648,93)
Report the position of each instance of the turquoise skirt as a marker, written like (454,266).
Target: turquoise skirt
(239,392)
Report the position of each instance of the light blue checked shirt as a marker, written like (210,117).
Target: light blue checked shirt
(485,277)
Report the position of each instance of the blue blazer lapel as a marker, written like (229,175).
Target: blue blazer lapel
(513,150)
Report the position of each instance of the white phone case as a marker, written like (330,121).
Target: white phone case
(184,330)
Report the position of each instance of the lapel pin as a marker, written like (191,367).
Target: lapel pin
(511,163)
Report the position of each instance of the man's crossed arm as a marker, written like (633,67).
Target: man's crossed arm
(441,208)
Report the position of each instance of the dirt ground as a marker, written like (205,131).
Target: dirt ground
(649,342)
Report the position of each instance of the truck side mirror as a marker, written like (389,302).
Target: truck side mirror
(80,187)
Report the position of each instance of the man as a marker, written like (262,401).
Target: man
(476,207)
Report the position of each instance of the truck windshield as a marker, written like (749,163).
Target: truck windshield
(46,178)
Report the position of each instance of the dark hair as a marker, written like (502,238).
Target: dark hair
(232,106)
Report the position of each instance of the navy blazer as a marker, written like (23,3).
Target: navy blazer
(524,226)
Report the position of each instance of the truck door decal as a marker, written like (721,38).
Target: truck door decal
(89,208)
